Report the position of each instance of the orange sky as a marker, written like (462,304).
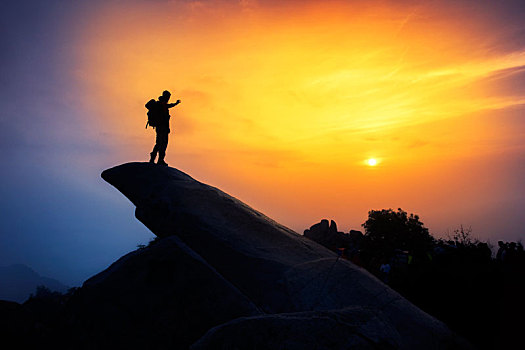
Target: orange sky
(282,105)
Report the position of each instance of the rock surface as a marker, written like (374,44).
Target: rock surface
(162,297)
(260,282)
(350,328)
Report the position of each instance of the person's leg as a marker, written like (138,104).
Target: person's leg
(162,145)
(153,153)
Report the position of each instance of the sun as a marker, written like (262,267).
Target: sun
(371,162)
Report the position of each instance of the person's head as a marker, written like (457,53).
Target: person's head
(166,95)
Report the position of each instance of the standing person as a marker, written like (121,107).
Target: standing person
(162,128)
(385,271)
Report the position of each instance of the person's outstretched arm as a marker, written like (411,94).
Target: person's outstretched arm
(173,104)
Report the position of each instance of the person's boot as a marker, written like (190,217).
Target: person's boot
(162,162)
(152,157)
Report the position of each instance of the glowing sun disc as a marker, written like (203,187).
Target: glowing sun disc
(371,162)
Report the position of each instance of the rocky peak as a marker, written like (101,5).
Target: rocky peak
(286,283)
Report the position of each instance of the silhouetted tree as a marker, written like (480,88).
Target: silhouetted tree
(454,279)
(463,236)
(387,230)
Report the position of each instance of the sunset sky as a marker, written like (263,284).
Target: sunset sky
(302,109)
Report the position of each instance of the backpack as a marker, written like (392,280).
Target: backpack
(153,108)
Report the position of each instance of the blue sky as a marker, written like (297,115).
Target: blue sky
(58,215)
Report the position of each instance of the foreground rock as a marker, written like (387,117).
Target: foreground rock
(259,281)
(350,328)
(160,297)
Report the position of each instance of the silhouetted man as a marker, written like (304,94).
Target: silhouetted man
(162,128)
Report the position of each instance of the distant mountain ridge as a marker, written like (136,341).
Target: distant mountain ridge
(18,281)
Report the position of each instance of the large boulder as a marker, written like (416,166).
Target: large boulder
(349,328)
(159,297)
(263,271)
(327,235)
(249,249)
